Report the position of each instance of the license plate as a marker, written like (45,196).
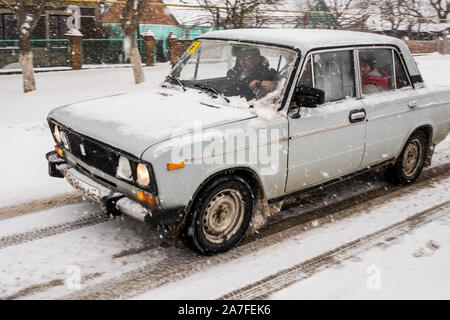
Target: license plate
(90,191)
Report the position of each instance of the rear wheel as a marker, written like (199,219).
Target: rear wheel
(220,216)
(409,165)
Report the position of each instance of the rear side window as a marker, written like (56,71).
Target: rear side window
(376,68)
(401,78)
(333,72)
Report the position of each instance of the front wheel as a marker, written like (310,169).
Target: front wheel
(409,165)
(220,216)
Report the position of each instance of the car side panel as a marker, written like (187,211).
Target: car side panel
(176,187)
(434,109)
(389,120)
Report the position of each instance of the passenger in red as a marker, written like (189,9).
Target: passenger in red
(373,80)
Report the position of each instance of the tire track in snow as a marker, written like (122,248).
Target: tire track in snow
(37,234)
(40,204)
(41,287)
(306,269)
(179,264)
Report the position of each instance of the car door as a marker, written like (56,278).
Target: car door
(328,141)
(390,108)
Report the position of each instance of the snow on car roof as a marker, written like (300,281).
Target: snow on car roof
(302,38)
(307,39)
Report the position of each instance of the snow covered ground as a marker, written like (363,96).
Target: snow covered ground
(412,265)
(415,266)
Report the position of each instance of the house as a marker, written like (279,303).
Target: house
(52,23)
(161,20)
(100,20)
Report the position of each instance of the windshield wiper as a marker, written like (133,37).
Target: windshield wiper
(211,89)
(178,81)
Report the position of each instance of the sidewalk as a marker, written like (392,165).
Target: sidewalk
(24,134)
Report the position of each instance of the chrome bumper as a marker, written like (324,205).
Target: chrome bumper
(112,202)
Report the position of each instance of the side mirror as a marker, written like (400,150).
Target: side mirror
(309,97)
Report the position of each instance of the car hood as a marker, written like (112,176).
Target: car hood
(134,121)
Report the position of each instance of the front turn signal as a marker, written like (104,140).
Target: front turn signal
(176,165)
(59,151)
(146,197)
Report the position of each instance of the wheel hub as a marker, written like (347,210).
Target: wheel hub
(223,216)
(411,159)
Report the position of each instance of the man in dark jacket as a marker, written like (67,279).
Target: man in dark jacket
(251,76)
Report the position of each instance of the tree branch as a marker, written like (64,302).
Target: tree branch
(8,5)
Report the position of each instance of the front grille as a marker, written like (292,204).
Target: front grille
(94,154)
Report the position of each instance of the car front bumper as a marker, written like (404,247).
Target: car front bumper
(112,201)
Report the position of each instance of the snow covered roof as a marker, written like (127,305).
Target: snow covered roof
(188,16)
(303,39)
(307,39)
(196,15)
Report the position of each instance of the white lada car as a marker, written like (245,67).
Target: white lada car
(246,119)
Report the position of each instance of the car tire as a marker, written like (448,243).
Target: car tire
(219,216)
(409,164)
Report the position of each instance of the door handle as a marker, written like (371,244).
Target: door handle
(357,115)
(412,104)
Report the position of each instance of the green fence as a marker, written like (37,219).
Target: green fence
(46,53)
(107,51)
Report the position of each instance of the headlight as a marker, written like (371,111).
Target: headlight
(57,134)
(64,139)
(143,175)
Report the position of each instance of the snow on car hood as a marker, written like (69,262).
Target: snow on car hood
(134,121)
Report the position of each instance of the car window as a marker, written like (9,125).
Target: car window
(306,78)
(376,70)
(333,72)
(249,71)
(212,60)
(401,78)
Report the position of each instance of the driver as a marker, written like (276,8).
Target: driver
(252,77)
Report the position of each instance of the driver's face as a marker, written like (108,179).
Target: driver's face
(248,62)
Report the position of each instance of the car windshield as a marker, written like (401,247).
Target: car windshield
(232,69)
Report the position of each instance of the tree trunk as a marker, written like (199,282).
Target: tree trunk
(135,59)
(26,62)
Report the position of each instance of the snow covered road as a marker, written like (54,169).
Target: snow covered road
(124,259)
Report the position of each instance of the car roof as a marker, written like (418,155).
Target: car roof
(308,39)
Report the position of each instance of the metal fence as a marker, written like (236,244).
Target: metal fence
(46,53)
(55,53)
(107,51)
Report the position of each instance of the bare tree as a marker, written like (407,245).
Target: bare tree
(403,16)
(27,14)
(344,14)
(441,7)
(408,17)
(237,14)
(131,14)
